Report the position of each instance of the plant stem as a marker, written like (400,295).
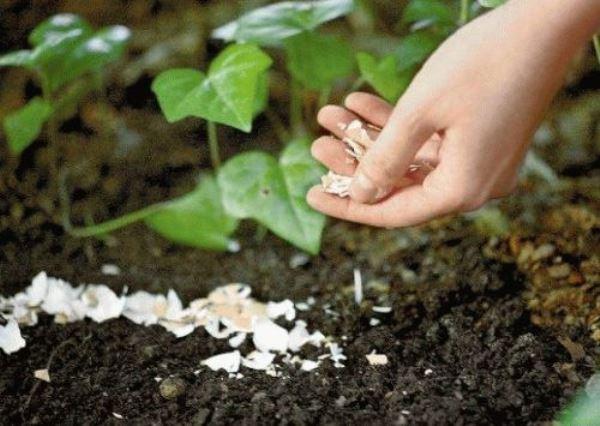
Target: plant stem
(53,142)
(213,145)
(357,84)
(295,106)
(464,12)
(100,229)
(597,46)
(111,225)
(277,124)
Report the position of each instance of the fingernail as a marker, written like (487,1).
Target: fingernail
(365,191)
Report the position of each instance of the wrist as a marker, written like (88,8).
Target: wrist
(574,21)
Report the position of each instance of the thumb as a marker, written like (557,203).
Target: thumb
(384,165)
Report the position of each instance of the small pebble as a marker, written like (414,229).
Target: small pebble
(543,252)
(559,271)
(172,387)
(298,260)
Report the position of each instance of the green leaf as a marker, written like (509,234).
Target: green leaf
(226,95)
(57,26)
(24,125)
(270,25)
(19,58)
(196,219)
(415,48)
(491,3)
(90,55)
(262,94)
(256,185)
(429,10)
(383,76)
(316,61)
(584,411)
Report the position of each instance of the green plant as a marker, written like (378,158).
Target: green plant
(257,185)
(231,93)
(65,48)
(314,61)
(272,191)
(584,410)
(227,94)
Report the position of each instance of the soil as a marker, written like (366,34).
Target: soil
(482,329)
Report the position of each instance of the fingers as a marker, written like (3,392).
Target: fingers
(412,205)
(331,116)
(372,108)
(387,161)
(331,152)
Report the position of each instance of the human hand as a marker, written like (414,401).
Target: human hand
(470,112)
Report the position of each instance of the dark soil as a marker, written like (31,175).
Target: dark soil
(473,337)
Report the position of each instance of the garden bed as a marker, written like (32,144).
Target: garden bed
(485,326)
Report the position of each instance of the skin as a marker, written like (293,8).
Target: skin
(471,112)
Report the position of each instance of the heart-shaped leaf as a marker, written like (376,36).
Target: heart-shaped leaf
(66,47)
(270,25)
(383,75)
(24,125)
(256,185)
(18,58)
(58,25)
(196,219)
(225,95)
(318,60)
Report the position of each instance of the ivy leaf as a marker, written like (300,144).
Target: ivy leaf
(270,25)
(491,3)
(256,185)
(57,26)
(226,95)
(433,11)
(18,58)
(66,47)
(24,125)
(196,219)
(584,410)
(383,76)
(89,55)
(261,99)
(316,61)
(415,48)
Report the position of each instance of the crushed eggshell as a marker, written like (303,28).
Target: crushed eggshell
(284,308)
(336,184)
(382,309)
(229,361)
(269,336)
(110,269)
(42,374)
(227,312)
(237,340)
(10,337)
(257,360)
(377,359)
(358,286)
(309,365)
(102,303)
(358,138)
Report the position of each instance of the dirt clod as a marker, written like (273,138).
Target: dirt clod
(172,387)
